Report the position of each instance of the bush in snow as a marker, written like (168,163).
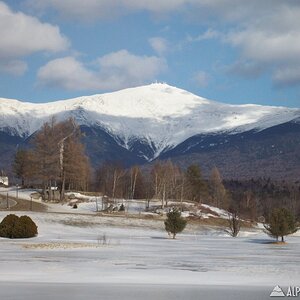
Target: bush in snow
(174,223)
(281,223)
(15,227)
(7,225)
(122,207)
(234,225)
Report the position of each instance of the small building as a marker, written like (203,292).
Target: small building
(4,180)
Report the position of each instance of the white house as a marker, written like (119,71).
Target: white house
(4,180)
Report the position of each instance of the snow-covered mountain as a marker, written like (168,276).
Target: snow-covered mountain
(158,116)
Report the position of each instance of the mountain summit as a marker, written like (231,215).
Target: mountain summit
(140,124)
(157,115)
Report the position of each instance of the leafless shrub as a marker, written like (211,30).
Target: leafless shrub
(234,225)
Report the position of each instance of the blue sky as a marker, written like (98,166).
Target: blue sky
(231,51)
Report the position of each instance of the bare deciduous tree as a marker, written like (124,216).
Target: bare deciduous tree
(234,224)
(58,157)
(217,190)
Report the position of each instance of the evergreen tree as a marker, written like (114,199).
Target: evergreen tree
(196,186)
(281,223)
(174,223)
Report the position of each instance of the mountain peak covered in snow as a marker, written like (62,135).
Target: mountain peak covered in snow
(158,114)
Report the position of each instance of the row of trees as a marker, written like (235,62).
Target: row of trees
(164,181)
(280,224)
(258,197)
(56,159)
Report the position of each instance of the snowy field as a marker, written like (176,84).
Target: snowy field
(86,256)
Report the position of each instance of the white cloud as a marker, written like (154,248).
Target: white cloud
(230,10)
(112,71)
(288,76)
(104,9)
(68,73)
(246,69)
(14,67)
(159,45)
(265,33)
(207,35)
(129,69)
(201,78)
(22,35)
(271,43)
(266,47)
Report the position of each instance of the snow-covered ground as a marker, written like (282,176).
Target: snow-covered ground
(92,204)
(81,255)
(93,249)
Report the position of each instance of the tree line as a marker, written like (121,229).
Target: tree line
(252,199)
(163,181)
(258,197)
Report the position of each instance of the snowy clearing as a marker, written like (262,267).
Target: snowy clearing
(79,254)
(91,249)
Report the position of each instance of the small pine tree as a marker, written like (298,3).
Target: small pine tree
(196,186)
(281,223)
(122,207)
(174,223)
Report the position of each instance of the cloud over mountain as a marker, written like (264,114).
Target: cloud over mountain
(112,71)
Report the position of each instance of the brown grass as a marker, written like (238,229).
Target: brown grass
(206,210)
(278,243)
(61,245)
(25,205)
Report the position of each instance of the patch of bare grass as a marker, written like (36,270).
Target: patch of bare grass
(61,245)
